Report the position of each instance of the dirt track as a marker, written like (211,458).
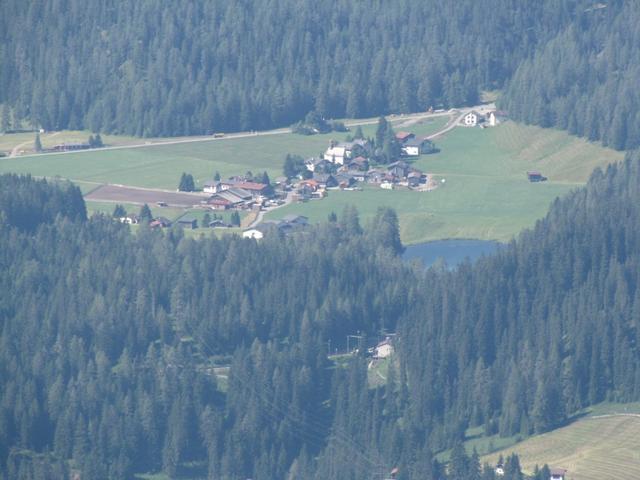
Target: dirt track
(122,194)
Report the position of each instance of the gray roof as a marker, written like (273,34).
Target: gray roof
(295,219)
(239,192)
(415,142)
(230,196)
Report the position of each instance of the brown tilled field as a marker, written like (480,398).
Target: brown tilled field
(139,196)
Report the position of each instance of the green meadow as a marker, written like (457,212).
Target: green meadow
(485,193)
(160,166)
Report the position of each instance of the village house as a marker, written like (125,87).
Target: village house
(383,349)
(376,175)
(325,180)
(340,153)
(403,137)
(289,224)
(218,223)
(254,233)
(414,178)
(239,192)
(345,181)
(212,186)
(188,222)
(558,473)
(336,154)
(416,146)
(358,175)
(358,163)
(535,176)
(318,165)
(254,189)
(310,184)
(398,169)
(471,119)
(131,219)
(219,202)
(160,222)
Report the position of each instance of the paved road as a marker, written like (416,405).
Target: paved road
(279,131)
(261,213)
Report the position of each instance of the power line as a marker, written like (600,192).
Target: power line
(316,439)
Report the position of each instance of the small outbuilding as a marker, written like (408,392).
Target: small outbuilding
(558,474)
(188,222)
(535,176)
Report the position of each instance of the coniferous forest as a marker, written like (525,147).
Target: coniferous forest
(154,67)
(110,341)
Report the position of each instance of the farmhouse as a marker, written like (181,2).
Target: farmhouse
(212,186)
(325,180)
(535,176)
(131,219)
(288,224)
(557,474)
(415,146)
(336,154)
(357,175)
(160,222)
(471,119)
(339,153)
(317,164)
(239,192)
(384,349)
(218,223)
(296,220)
(399,169)
(255,233)
(413,179)
(345,180)
(253,188)
(188,222)
(220,202)
(403,137)
(359,163)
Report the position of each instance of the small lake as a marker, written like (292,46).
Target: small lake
(453,252)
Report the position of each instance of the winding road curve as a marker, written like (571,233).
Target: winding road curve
(279,131)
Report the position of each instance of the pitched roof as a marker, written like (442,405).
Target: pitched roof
(402,136)
(251,186)
(291,218)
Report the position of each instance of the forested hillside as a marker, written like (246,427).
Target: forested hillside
(154,67)
(586,79)
(110,342)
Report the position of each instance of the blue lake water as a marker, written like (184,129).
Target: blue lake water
(452,252)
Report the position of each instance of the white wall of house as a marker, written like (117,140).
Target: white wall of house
(384,350)
(253,233)
(411,151)
(470,119)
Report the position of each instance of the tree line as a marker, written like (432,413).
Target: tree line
(585,79)
(147,68)
(123,354)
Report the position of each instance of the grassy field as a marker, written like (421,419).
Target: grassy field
(160,166)
(26,141)
(593,448)
(486,194)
